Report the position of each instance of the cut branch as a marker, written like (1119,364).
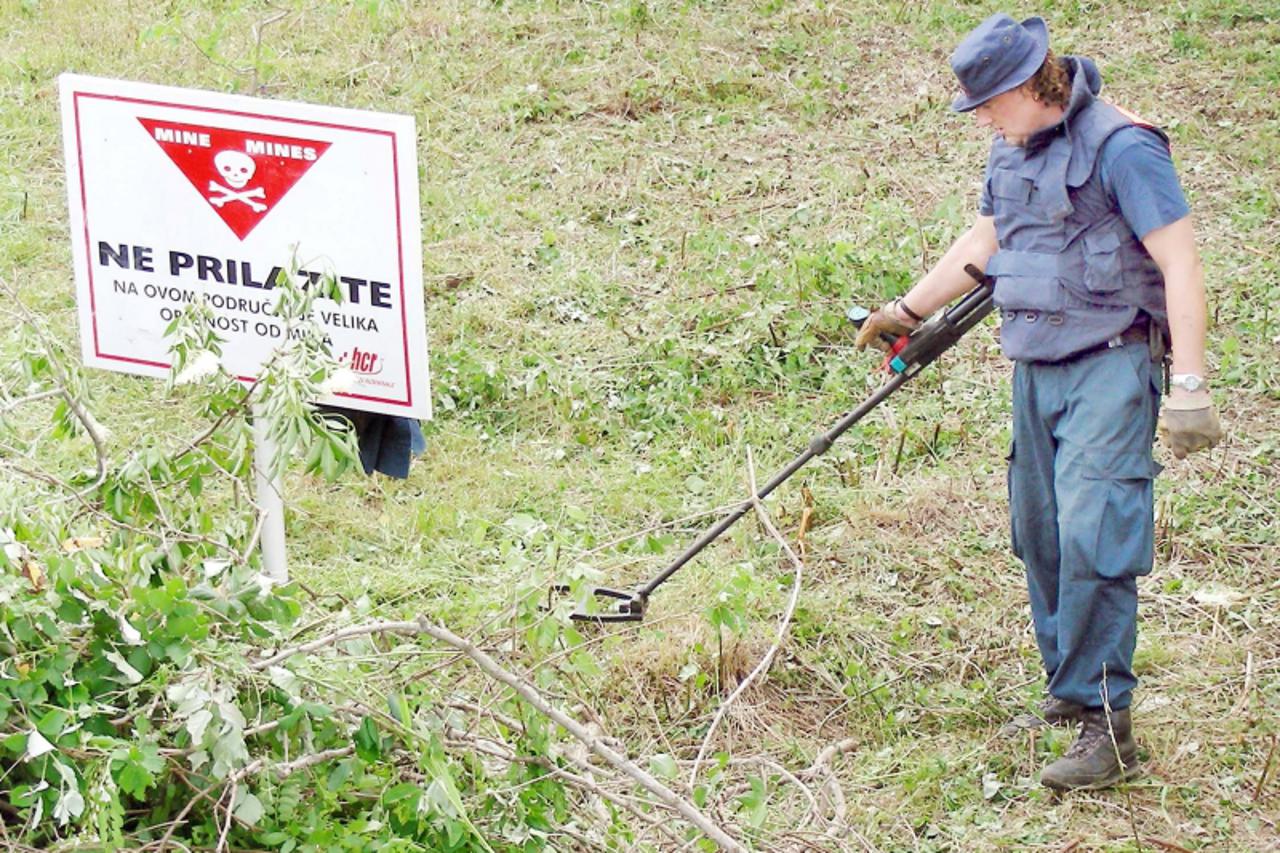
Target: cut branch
(664,794)
(490,667)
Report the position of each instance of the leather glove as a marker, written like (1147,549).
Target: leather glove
(880,321)
(1188,424)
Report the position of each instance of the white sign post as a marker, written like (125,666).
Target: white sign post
(177,195)
(268,488)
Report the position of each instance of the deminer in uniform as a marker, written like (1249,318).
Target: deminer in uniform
(1085,229)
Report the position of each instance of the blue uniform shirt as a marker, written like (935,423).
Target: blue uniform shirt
(1137,172)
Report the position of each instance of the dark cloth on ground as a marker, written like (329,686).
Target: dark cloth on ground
(387,442)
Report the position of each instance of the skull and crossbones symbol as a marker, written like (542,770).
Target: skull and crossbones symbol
(237,170)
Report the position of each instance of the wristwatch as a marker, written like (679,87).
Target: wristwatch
(1188,382)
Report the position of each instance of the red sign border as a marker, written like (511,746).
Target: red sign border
(395,168)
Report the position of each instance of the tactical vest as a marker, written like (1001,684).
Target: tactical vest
(1070,273)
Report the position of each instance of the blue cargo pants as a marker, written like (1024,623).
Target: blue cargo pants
(1080,498)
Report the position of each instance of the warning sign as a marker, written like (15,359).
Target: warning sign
(178,195)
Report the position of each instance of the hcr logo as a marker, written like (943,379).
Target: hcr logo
(363,363)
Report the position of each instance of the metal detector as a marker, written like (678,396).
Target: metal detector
(907,356)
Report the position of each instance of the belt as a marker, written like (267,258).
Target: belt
(1138,332)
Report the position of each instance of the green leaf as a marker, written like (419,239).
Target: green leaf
(585,663)
(755,796)
(400,709)
(229,751)
(134,779)
(443,784)
(663,766)
(130,675)
(328,462)
(250,809)
(70,806)
(52,724)
(339,775)
(197,723)
(401,792)
(368,741)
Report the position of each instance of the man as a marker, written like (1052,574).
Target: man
(1084,227)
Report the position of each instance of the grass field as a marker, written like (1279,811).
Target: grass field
(642,224)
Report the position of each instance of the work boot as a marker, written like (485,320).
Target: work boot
(1096,760)
(1054,711)
(1051,711)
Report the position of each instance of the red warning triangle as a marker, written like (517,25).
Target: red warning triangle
(241,175)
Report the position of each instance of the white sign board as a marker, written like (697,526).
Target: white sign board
(176,193)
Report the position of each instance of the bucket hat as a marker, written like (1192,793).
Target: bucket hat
(998,55)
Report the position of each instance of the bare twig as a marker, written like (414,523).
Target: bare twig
(241,406)
(257,46)
(257,534)
(232,782)
(585,781)
(822,766)
(1266,770)
(499,717)
(822,762)
(1167,845)
(718,511)
(288,768)
(1115,746)
(1243,701)
(163,843)
(232,790)
(91,426)
(10,405)
(784,623)
(337,637)
(787,775)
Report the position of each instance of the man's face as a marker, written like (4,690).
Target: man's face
(1015,115)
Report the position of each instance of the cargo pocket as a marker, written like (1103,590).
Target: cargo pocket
(1148,373)
(1120,486)
(1030,293)
(1013,521)
(1103,265)
(1011,198)
(1008,184)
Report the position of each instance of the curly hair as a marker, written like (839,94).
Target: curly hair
(1050,84)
